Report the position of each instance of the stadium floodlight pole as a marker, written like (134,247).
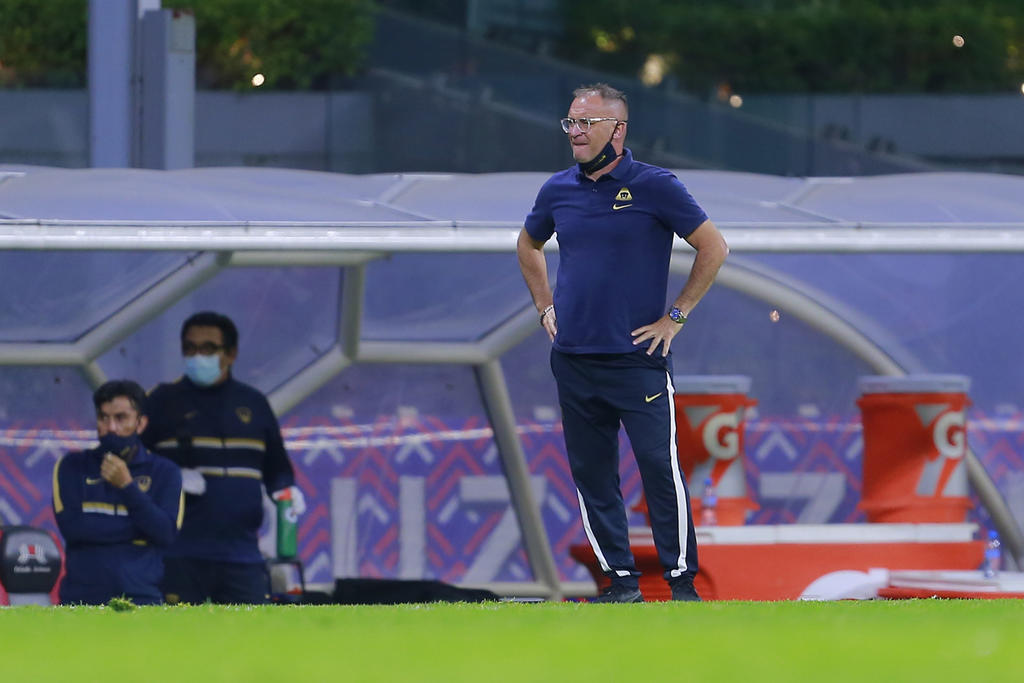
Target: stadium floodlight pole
(112,28)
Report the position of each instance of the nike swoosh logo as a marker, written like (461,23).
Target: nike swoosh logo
(616,207)
(648,399)
(93,480)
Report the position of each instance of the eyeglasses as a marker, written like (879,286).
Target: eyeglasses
(205,349)
(585,123)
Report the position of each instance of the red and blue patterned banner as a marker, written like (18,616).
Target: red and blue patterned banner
(425,497)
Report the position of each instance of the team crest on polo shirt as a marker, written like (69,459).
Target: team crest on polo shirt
(625,198)
(144,482)
(244,414)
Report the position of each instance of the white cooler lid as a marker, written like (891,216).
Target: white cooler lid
(711,384)
(913,384)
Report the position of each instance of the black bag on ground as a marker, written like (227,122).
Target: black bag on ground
(397,591)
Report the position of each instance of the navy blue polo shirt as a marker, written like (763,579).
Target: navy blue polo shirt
(614,244)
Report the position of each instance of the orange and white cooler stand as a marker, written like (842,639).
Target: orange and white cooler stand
(915,441)
(914,489)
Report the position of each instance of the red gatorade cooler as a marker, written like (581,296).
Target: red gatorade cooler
(710,414)
(915,440)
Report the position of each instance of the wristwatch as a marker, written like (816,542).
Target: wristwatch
(676,315)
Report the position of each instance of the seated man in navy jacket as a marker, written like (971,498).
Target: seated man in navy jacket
(118,506)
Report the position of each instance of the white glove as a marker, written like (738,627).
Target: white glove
(295,493)
(192,481)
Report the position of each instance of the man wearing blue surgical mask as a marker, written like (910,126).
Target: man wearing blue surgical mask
(227,441)
(118,506)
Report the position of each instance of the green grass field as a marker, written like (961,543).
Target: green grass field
(922,640)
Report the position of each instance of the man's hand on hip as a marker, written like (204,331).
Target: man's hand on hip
(660,332)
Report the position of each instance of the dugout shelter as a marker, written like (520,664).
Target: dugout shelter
(386,319)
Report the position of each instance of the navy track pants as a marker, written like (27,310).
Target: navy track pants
(597,393)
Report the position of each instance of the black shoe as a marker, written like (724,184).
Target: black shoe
(682,589)
(614,593)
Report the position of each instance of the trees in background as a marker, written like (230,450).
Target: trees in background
(295,45)
(43,44)
(817,46)
(883,46)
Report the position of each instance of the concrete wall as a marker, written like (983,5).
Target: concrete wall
(968,129)
(317,131)
(416,126)
(322,131)
(398,126)
(44,127)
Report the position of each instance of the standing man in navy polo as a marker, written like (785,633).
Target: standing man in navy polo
(118,506)
(611,328)
(227,441)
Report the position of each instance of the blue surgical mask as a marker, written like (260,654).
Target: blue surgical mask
(121,446)
(202,370)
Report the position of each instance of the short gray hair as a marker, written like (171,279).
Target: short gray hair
(605,91)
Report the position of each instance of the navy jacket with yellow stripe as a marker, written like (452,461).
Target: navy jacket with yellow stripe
(230,434)
(115,538)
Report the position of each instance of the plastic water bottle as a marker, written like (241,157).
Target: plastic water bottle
(287,527)
(993,556)
(709,505)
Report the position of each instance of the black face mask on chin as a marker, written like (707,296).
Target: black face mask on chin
(606,156)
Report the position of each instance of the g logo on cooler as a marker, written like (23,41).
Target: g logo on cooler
(948,434)
(721,436)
